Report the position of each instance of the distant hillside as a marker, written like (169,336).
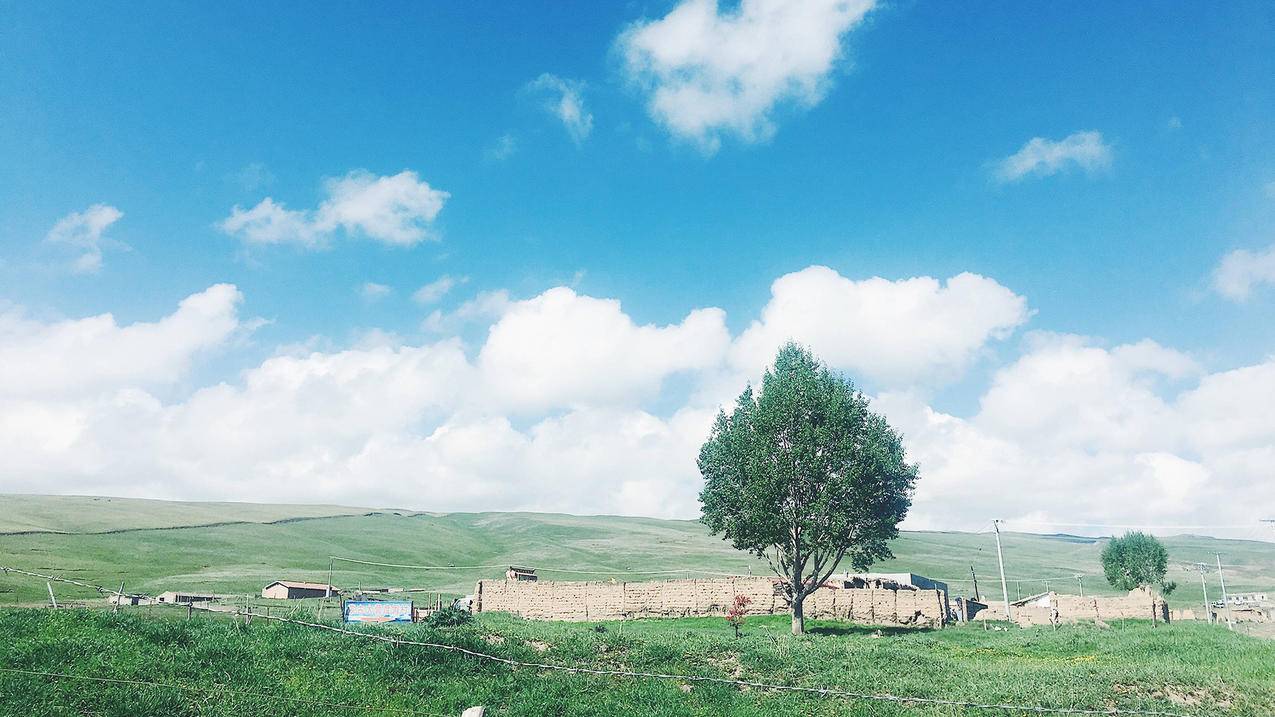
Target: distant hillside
(241,557)
(91,514)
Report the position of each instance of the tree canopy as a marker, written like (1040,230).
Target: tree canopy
(1135,560)
(804,475)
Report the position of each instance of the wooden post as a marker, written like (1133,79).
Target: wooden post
(118,596)
(52,599)
(190,609)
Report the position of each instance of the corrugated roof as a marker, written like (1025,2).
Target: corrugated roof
(304,586)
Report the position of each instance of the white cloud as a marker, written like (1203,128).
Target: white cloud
(918,330)
(78,355)
(398,210)
(371,291)
(570,404)
(487,305)
(711,72)
(1242,271)
(564,349)
(1072,432)
(437,289)
(565,100)
(503,148)
(1043,157)
(82,232)
(272,223)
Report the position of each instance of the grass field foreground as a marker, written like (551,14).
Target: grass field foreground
(1181,668)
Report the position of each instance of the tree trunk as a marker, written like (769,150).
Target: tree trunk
(798,615)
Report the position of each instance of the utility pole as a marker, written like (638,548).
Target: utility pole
(975,579)
(1208,611)
(1230,624)
(1000,559)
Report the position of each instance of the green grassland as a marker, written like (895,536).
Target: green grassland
(241,557)
(1186,668)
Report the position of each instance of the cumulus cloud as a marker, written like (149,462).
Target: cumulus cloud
(919,330)
(564,349)
(1242,271)
(564,99)
(1072,432)
(82,233)
(710,72)
(568,403)
(1042,157)
(435,290)
(78,355)
(398,210)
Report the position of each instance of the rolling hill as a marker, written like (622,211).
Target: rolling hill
(237,548)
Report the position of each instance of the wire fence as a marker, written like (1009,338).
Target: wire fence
(903,700)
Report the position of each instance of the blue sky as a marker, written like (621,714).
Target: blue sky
(888,164)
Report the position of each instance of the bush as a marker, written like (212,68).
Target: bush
(450,616)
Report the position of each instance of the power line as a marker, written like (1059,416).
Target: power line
(1127,526)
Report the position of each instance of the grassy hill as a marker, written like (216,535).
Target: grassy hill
(211,666)
(241,557)
(93,514)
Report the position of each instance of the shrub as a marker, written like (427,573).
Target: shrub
(450,616)
(738,611)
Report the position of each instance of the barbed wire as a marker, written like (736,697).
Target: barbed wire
(71,581)
(821,691)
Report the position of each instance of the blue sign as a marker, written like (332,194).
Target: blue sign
(378,611)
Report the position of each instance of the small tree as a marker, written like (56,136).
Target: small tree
(1137,560)
(804,476)
(738,611)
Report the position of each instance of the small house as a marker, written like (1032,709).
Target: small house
(291,590)
(519,573)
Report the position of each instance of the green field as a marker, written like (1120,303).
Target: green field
(210,665)
(240,558)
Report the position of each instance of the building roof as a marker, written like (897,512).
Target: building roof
(302,586)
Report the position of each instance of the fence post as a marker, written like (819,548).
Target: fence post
(52,599)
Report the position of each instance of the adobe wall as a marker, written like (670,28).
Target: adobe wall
(554,600)
(1074,608)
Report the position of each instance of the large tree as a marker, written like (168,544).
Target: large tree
(804,475)
(1137,560)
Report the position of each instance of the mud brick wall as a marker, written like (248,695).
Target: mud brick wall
(554,600)
(1073,608)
